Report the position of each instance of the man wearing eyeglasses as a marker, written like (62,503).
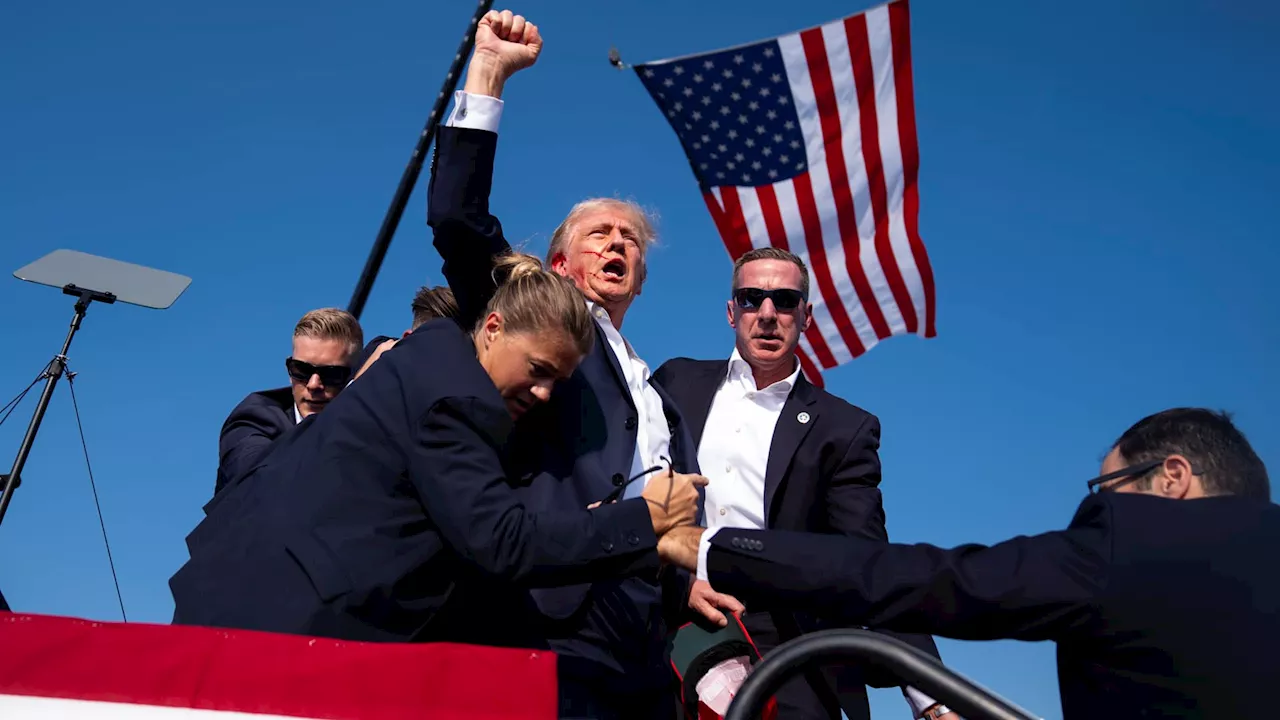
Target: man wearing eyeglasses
(1162,594)
(325,346)
(786,455)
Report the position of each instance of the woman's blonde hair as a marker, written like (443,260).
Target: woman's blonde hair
(532,299)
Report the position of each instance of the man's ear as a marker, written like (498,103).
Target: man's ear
(560,264)
(728,307)
(808,318)
(1177,479)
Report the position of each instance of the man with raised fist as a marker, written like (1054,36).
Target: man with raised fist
(606,429)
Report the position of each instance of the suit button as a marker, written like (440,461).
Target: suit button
(618,480)
(607,545)
(633,538)
(631,423)
(758,544)
(736,542)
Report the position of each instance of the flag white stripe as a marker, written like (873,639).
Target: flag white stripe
(785,192)
(793,58)
(28,707)
(841,63)
(881,42)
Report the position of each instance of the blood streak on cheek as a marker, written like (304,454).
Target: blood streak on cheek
(599,272)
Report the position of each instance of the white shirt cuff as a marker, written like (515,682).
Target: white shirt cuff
(476,112)
(918,701)
(703,546)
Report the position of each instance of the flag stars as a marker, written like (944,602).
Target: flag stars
(742,119)
(756,165)
(775,78)
(764,92)
(733,134)
(731,165)
(707,65)
(739,59)
(688,92)
(768,52)
(784,159)
(727,73)
(782,100)
(773,174)
(679,70)
(697,77)
(716,87)
(746,178)
(723,148)
(772,115)
(757,67)
(715,124)
(706,100)
(766,151)
(739,157)
(753,105)
(795,144)
(720,175)
(648,72)
(789,125)
(777,137)
(668,82)
(749,142)
(759,129)
(746,82)
(696,115)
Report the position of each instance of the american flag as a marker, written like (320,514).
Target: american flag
(807,142)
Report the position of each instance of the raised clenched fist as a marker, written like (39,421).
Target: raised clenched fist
(508,40)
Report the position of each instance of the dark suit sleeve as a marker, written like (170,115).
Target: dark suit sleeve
(248,433)
(456,470)
(855,508)
(467,237)
(1027,588)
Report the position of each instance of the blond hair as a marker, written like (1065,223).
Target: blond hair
(331,324)
(532,299)
(562,236)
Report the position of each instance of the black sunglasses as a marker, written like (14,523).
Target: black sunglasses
(1133,473)
(330,375)
(617,492)
(753,298)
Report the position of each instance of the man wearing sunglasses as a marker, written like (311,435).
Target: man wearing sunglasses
(783,454)
(325,345)
(1162,594)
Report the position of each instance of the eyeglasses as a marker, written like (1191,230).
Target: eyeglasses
(753,298)
(1133,473)
(330,375)
(617,492)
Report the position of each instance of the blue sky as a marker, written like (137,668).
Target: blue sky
(1097,185)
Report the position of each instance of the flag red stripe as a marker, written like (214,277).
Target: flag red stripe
(266,673)
(778,238)
(864,82)
(815,51)
(729,221)
(811,371)
(900,33)
(821,268)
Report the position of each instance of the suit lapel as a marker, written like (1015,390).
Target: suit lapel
(701,393)
(607,362)
(798,416)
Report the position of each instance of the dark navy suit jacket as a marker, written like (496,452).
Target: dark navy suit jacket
(1160,608)
(249,430)
(822,476)
(364,520)
(258,421)
(575,449)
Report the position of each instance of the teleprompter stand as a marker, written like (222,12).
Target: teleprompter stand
(88,278)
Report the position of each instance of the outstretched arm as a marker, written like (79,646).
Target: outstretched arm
(467,236)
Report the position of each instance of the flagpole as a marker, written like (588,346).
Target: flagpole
(410,177)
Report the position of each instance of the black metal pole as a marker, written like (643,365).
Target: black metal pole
(410,177)
(910,665)
(56,367)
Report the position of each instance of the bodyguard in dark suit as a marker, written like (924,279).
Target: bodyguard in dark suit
(606,424)
(325,344)
(373,519)
(784,455)
(1161,594)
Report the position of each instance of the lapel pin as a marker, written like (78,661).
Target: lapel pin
(803,417)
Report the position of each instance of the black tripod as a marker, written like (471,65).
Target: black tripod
(51,374)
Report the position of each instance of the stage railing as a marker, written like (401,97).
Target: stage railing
(912,667)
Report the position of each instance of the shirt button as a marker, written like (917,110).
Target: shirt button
(723,511)
(607,545)
(618,480)
(728,468)
(738,430)
(630,424)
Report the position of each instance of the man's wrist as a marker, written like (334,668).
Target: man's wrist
(485,76)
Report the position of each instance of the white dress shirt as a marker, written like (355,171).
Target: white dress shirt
(734,454)
(297,414)
(734,451)
(653,437)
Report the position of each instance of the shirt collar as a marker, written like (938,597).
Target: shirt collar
(740,370)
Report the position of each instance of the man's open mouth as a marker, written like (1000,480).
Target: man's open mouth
(615,268)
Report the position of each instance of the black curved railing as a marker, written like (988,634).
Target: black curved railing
(908,664)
